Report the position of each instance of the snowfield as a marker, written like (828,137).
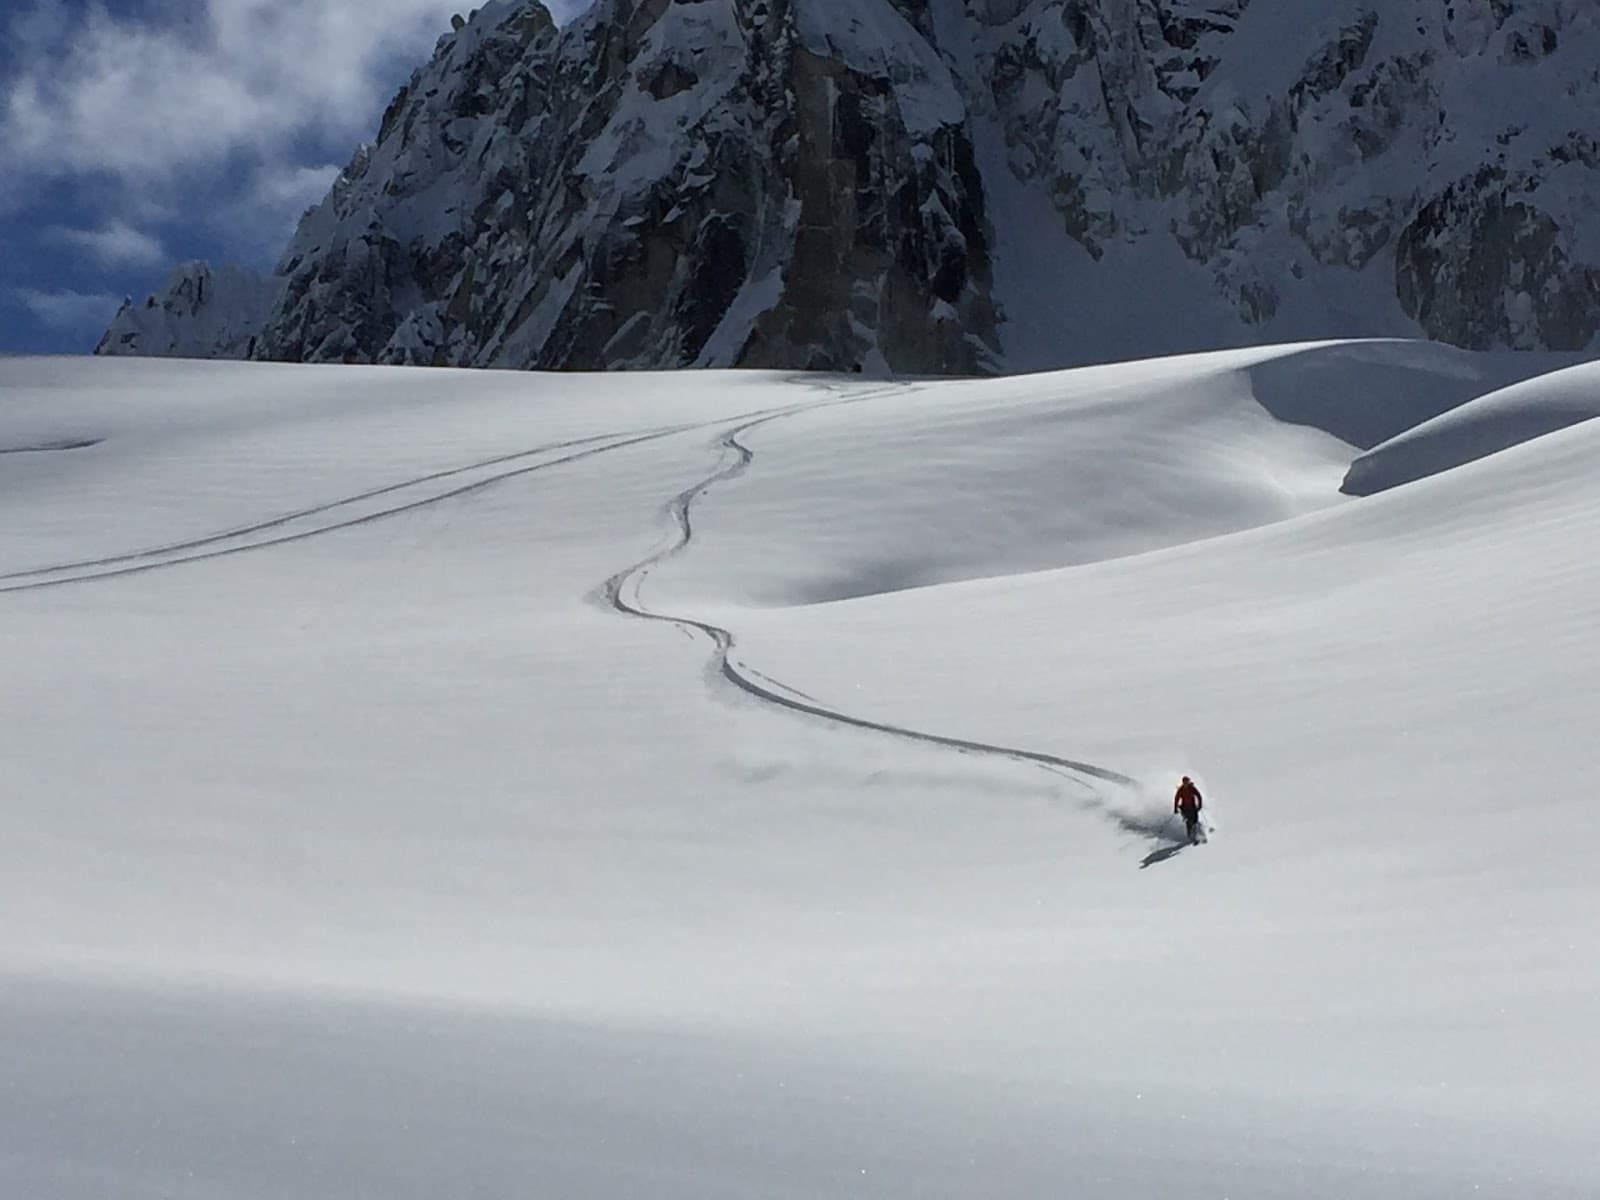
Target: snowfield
(434,784)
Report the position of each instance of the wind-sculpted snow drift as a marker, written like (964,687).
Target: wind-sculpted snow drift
(943,187)
(1519,413)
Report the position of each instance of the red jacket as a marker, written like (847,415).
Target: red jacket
(1187,798)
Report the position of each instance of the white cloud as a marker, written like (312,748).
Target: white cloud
(118,244)
(269,206)
(284,193)
(214,115)
(69,311)
(139,97)
(143,99)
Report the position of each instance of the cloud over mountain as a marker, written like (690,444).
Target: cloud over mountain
(197,128)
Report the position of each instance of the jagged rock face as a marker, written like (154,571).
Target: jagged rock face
(888,253)
(1412,143)
(662,184)
(961,185)
(1481,263)
(199,313)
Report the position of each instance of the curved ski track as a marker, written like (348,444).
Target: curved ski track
(622,591)
(348,512)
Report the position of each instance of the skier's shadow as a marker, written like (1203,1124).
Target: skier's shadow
(1161,855)
(1157,829)
(1160,829)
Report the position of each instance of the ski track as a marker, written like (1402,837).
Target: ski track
(51,447)
(216,545)
(621,590)
(622,593)
(241,531)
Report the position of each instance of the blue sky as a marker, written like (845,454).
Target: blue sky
(137,134)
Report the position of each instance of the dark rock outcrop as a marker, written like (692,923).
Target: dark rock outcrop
(949,186)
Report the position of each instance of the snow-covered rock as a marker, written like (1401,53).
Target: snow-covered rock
(960,185)
(1410,168)
(198,313)
(656,185)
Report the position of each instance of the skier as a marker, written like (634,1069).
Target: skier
(1187,801)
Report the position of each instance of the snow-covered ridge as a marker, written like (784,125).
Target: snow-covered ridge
(199,313)
(1491,423)
(956,186)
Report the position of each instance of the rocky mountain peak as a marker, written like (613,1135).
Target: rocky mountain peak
(953,186)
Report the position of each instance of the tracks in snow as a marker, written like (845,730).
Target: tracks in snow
(53,446)
(360,509)
(622,591)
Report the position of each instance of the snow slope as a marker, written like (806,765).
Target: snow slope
(359,845)
(1491,423)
